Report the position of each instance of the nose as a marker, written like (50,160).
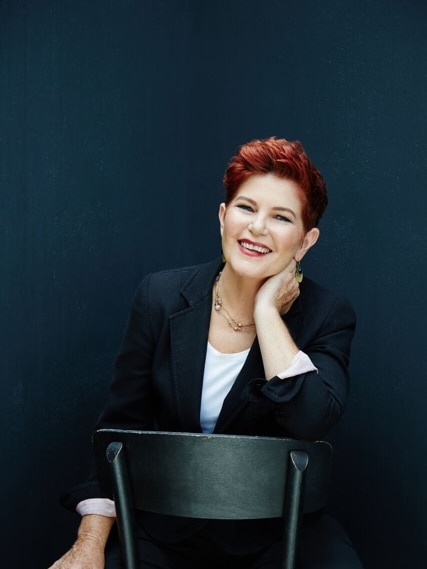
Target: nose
(258,225)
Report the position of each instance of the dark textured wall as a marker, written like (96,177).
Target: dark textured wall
(116,121)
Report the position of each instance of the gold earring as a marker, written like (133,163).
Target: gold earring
(299,275)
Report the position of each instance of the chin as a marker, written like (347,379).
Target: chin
(250,269)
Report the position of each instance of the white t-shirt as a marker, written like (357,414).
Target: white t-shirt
(221,371)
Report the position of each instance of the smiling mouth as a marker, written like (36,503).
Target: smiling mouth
(252,247)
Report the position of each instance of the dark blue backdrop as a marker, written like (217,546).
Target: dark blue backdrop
(117,120)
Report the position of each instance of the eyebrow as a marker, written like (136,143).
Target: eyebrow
(276,208)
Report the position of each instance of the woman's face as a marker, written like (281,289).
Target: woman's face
(262,228)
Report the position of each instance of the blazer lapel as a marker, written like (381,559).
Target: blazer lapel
(189,329)
(252,369)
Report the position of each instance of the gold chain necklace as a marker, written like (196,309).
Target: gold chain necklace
(222,311)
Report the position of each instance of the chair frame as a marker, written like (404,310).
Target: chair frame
(296,483)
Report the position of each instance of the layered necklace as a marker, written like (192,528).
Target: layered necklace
(220,308)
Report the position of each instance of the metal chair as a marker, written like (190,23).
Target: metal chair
(213,477)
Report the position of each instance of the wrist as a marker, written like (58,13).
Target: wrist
(265,308)
(90,537)
(94,530)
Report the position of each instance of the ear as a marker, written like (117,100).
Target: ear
(221,216)
(309,240)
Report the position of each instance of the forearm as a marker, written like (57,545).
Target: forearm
(308,405)
(88,549)
(276,344)
(95,529)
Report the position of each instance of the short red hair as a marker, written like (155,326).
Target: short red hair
(283,159)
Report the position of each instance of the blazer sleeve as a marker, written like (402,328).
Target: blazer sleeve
(131,401)
(308,405)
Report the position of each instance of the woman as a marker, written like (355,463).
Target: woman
(241,345)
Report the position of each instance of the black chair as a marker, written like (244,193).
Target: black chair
(213,477)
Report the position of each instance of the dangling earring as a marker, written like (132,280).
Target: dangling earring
(299,275)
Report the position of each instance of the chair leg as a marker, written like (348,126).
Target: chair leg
(125,517)
(295,477)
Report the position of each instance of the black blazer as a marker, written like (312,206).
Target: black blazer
(159,373)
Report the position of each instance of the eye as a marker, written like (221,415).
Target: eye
(245,207)
(282,218)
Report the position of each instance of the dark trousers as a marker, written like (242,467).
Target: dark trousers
(323,545)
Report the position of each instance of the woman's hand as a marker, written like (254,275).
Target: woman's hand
(88,550)
(85,554)
(280,290)
(274,298)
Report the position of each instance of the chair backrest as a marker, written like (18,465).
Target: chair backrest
(213,476)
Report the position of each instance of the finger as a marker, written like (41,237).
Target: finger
(291,266)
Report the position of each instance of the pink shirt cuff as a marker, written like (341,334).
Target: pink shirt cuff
(98,506)
(299,365)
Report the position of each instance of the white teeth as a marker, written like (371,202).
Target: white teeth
(256,248)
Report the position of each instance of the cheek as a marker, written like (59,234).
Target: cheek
(225,225)
(228,227)
(291,239)
(286,242)
(288,247)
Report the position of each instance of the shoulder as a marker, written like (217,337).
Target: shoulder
(188,283)
(312,289)
(317,298)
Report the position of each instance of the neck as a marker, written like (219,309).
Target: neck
(238,291)
(236,323)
